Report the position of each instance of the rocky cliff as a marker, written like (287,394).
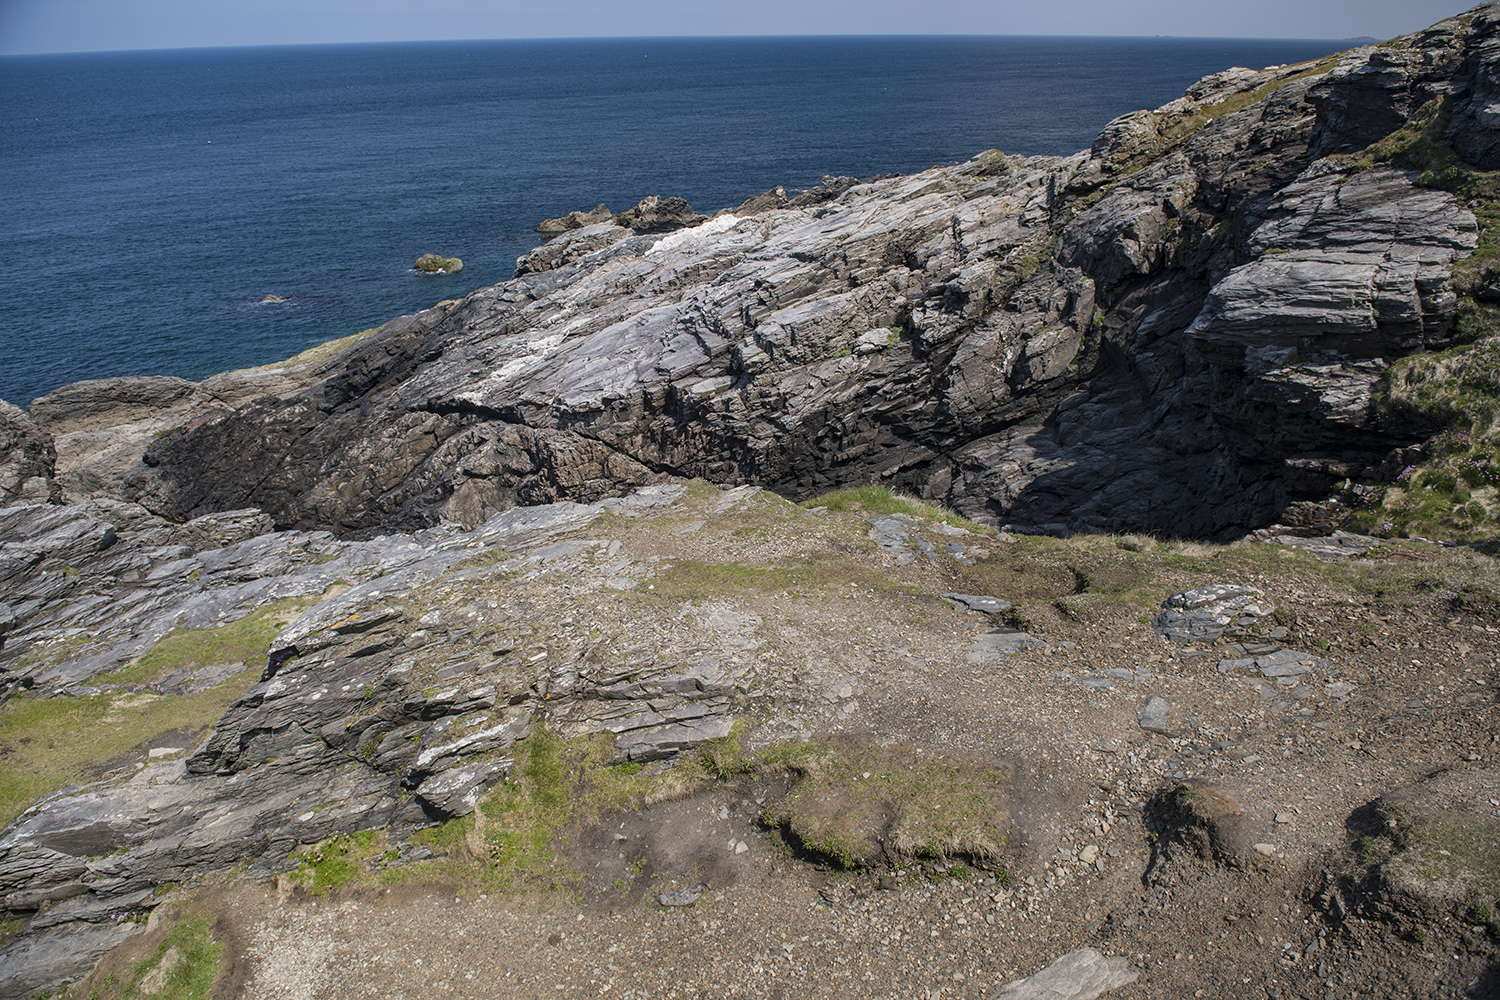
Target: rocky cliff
(1177,330)
(365,591)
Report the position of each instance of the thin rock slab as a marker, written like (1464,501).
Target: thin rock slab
(31,963)
(1153,717)
(1202,614)
(977,602)
(682,897)
(998,645)
(1336,547)
(1079,975)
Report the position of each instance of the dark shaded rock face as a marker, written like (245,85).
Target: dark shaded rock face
(1178,331)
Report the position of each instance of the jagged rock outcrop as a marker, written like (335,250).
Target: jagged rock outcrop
(102,427)
(395,706)
(576,220)
(1178,330)
(654,214)
(27,459)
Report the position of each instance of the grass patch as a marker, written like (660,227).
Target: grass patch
(724,758)
(1445,861)
(688,580)
(447,836)
(184,966)
(1455,491)
(49,743)
(861,806)
(337,861)
(242,641)
(879,500)
(1457,851)
(556,788)
(1040,570)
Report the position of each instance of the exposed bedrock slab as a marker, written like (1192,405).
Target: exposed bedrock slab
(386,711)
(1063,344)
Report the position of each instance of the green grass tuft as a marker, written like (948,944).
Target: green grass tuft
(50,743)
(242,641)
(879,500)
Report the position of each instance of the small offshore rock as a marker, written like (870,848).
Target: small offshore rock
(273,298)
(431,263)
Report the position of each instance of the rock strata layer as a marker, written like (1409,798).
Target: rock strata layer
(1178,330)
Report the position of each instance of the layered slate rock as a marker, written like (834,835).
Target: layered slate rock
(1356,263)
(391,702)
(1202,614)
(1178,330)
(27,459)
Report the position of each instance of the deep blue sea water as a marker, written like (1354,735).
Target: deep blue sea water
(149,200)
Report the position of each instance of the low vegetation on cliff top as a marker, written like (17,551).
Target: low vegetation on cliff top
(1450,492)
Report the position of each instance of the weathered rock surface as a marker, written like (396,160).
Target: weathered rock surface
(1079,975)
(576,220)
(1205,612)
(102,427)
(390,713)
(432,263)
(1178,331)
(27,459)
(657,215)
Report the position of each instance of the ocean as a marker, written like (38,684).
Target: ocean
(151,200)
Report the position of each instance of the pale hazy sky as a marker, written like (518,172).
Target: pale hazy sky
(30,26)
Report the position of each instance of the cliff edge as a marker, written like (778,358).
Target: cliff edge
(1189,328)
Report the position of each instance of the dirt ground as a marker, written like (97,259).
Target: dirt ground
(1406,687)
